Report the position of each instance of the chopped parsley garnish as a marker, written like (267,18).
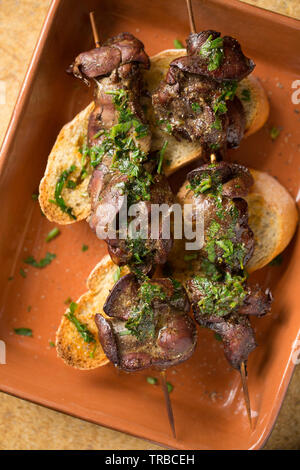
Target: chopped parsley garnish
(42,263)
(117,274)
(276,261)
(84,248)
(190,257)
(217,124)
(59,201)
(274,133)
(92,353)
(170,387)
(68,301)
(35,196)
(228,93)
(120,144)
(178,44)
(52,234)
(218,337)
(23,331)
(141,322)
(51,344)
(82,328)
(161,156)
(196,107)
(152,380)
(22,272)
(220,298)
(246,94)
(212,49)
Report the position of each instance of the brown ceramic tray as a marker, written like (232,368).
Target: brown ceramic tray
(207,398)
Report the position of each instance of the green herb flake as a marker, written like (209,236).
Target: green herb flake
(274,133)
(59,201)
(178,44)
(152,380)
(161,156)
(212,49)
(22,272)
(51,344)
(23,331)
(84,248)
(92,353)
(246,94)
(34,196)
(42,263)
(117,274)
(170,387)
(29,308)
(82,328)
(196,107)
(276,261)
(52,234)
(190,257)
(220,297)
(218,337)
(68,301)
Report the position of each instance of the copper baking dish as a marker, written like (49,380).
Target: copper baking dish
(207,396)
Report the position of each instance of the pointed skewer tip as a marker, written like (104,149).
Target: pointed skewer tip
(243,373)
(168,402)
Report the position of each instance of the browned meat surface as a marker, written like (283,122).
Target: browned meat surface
(216,192)
(148,324)
(119,50)
(223,306)
(145,251)
(118,148)
(231,64)
(194,101)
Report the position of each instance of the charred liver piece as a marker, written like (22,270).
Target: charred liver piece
(223,306)
(142,252)
(194,101)
(147,325)
(216,192)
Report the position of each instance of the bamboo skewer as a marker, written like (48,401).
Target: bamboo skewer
(243,373)
(163,373)
(94,29)
(191,16)
(168,402)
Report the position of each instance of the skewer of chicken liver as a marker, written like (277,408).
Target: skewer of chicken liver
(196,101)
(220,296)
(151,327)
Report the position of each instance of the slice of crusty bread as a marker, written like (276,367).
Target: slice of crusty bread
(72,136)
(70,346)
(64,154)
(273,218)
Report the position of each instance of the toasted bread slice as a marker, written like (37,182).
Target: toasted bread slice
(273,217)
(70,346)
(64,154)
(73,135)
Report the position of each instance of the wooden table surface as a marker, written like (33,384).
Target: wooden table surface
(25,425)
